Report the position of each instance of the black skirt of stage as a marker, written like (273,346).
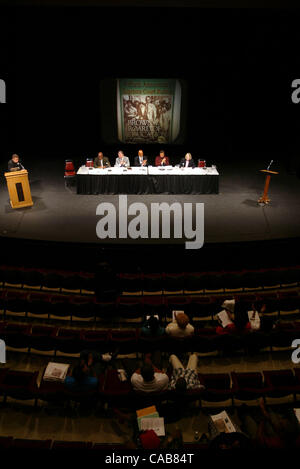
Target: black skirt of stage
(133,184)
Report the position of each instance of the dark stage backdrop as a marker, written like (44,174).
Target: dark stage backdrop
(238,66)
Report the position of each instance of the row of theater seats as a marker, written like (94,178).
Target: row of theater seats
(208,282)
(283,305)
(47,280)
(10,443)
(51,340)
(154,283)
(221,389)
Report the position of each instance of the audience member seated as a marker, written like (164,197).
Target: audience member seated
(152,328)
(182,378)
(241,319)
(149,378)
(225,317)
(180,326)
(270,429)
(83,377)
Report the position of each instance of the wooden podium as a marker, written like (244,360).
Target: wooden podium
(19,189)
(264,198)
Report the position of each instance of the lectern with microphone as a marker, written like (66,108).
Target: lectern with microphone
(19,189)
(264,199)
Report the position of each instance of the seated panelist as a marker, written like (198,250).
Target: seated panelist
(101,161)
(141,160)
(187,161)
(162,159)
(122,161)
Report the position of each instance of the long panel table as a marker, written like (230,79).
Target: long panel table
(150,180)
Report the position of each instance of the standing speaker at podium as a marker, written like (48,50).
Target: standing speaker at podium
(15,164)
(18,184)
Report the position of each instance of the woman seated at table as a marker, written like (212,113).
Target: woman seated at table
(122,161)
(187,161)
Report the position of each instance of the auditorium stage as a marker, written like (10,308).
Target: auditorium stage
(59,214)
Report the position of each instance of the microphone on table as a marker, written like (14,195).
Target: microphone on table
(20,164)
(269,165)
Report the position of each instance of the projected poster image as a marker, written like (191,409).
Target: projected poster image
(148,110)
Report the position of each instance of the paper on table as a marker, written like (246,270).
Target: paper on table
(157,424)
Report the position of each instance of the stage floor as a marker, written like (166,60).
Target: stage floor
(233,215)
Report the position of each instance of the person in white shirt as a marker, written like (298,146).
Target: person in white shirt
(180,327)
(149,379)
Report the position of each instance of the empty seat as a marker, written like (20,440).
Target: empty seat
(248,387)
(60,308)
(289,306)
(282,336)
(42,339)
(52,281)
(68,342)
(22,443)
(153,284)
(6,442)
(95,340)
(33,279)
(17,337)
(194,283)
(71,445)
(20,385)
(201,309)
(130,310)
(154,305)
(281,386)
(71,283)
(82,308)
(39,305)
(173,284)
(232,282)
(124,340)
(213,282)
(217,392)
(16,303)
(176,303)
(131,284)
(105,311)
(13,277)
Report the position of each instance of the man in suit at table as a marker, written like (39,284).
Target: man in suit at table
(101,161)
(162,159)
(141,160)
(122,161)
(187,161)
